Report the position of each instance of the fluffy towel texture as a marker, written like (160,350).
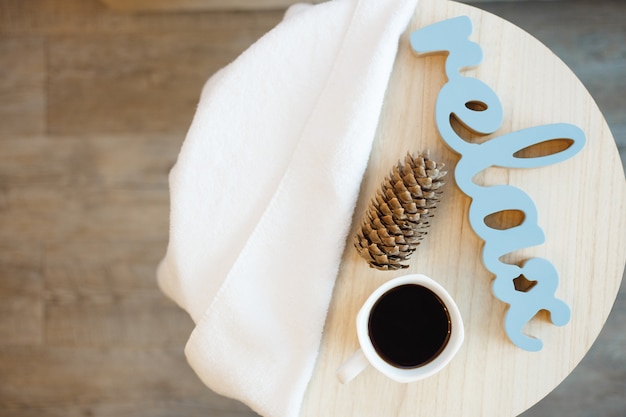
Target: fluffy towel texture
(263,192)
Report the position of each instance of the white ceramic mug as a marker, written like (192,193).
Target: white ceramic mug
(380,323)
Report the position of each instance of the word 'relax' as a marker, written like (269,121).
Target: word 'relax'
(478,108)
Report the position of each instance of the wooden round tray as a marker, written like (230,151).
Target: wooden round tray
(581,204)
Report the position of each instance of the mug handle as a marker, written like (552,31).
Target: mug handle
(353,366)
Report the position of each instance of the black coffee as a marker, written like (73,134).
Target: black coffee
(409,326)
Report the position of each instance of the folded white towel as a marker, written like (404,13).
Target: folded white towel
(263,192)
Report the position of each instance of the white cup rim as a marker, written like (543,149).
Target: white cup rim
(432,367)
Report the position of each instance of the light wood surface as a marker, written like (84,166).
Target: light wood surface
(581,204)
(94,105)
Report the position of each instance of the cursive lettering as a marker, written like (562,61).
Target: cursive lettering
(476,106)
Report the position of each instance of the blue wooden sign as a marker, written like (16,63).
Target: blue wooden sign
(477,107)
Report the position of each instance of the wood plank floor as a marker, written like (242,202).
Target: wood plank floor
(94,106)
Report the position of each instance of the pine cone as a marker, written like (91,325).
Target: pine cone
(399,214)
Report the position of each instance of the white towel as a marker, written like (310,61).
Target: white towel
(263,193)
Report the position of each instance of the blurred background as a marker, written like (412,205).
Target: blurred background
(95,100)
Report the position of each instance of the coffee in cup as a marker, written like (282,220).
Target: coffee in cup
(408,329)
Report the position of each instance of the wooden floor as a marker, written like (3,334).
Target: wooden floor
(94,106)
